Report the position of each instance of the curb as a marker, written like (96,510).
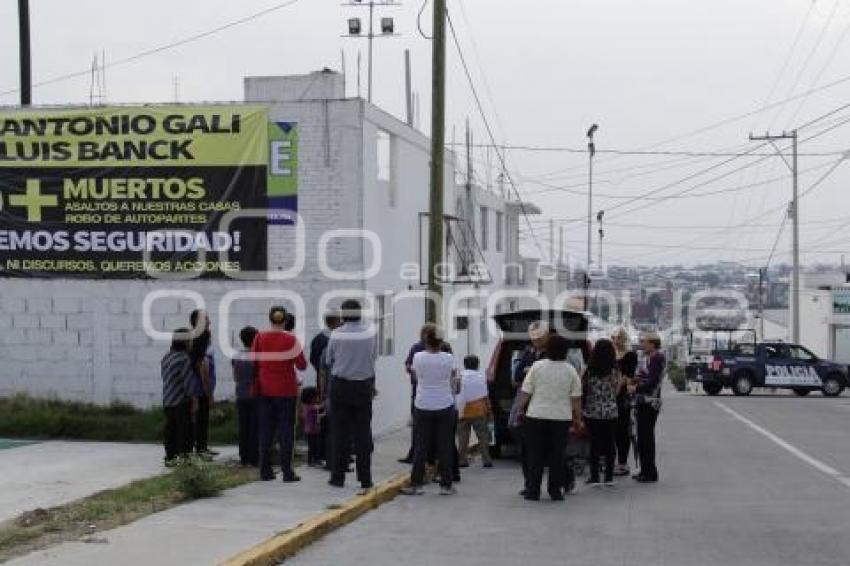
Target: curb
(287,544)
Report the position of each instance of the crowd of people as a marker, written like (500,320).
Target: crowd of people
(572,402)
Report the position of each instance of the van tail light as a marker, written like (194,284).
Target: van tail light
(716,363)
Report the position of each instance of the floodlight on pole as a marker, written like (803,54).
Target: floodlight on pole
(591,151)
(387,29)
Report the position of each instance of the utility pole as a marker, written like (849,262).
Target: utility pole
(560,245)
(24,52)
(591,151)
(438,141)
(795,218)
(551,241)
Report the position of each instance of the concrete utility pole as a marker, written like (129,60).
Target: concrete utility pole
(795,218)
(591,151)
(24,53)
(438,141)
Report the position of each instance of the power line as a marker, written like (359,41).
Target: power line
(811,54)
(689,247)
(568,189)
(738,117)
(790,54)
(826,65)
(642,197)
(161,48)
(489,129)
(561,149)
(776,242)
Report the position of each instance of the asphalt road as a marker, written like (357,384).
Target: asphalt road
(763,480)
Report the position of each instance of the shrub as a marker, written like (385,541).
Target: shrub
(676,375)
(22,416)
(197,478)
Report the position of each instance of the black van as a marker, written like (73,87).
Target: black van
(572,325)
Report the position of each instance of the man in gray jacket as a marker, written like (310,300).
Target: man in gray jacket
(351,354)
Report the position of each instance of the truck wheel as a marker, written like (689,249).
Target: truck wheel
(832,386)
(802,392)
(712,388)
(743,384)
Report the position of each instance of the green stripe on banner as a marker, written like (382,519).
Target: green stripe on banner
(283,160)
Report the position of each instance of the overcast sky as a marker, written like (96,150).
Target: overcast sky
(645,71)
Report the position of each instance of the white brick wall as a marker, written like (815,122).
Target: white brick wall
(84,340)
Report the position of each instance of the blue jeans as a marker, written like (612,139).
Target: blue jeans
(276,415)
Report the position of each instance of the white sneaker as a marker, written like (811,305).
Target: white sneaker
(412,490)
(447,490)
(609,483)
(571,490)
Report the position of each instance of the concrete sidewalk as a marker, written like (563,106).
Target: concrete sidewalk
(48,474)
(212,530)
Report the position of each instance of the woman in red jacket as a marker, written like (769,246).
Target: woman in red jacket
(277,354)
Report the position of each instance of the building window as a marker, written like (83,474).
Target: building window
(500,229)
(386,164)
(386,324)
(485,227)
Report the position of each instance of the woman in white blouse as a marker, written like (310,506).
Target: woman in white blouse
(550,401)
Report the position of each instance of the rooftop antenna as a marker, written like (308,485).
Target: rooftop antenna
(97,88)
(176,84)
(103,75)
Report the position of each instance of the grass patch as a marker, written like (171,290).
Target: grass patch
(24,417)
(112,508)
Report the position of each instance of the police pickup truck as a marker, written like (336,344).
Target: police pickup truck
(773,364)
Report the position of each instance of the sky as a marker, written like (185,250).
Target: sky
(650,73)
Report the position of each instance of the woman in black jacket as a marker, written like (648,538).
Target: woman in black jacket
(627,364)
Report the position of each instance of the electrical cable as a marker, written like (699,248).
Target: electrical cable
(561,149)
(419,21)
(811,54)
(776,242)
(489,129)
(161,48)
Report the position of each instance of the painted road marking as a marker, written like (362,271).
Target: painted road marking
(813,462)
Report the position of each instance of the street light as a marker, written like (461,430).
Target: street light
(599,216)
(354,26)
(355,29)
(591,151)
